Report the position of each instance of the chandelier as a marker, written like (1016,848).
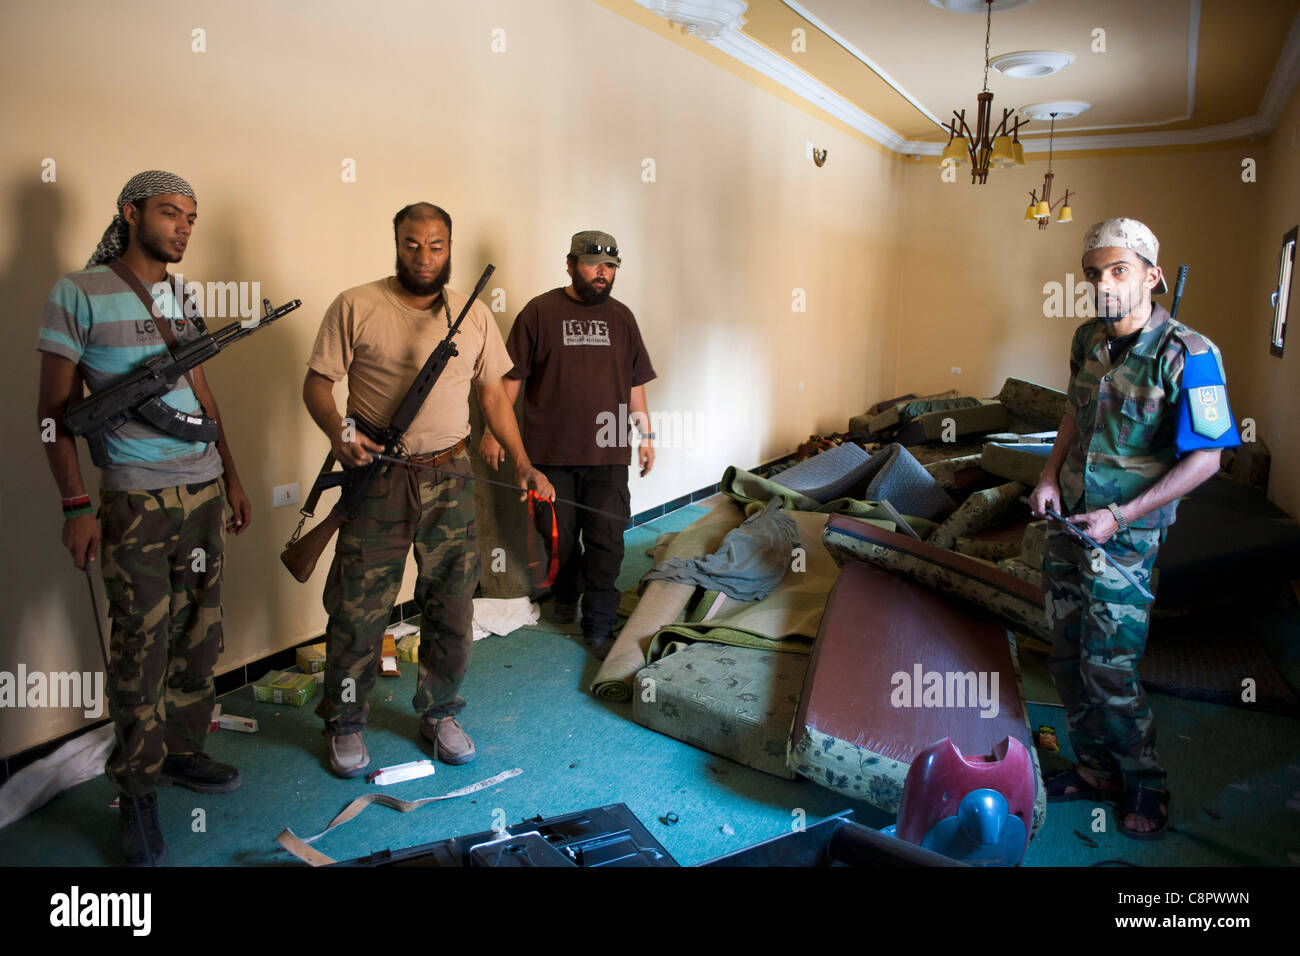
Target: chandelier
(984,146)
(1040,210)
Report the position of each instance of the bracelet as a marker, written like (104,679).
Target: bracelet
(645,435)
(1119,516)
(76,507)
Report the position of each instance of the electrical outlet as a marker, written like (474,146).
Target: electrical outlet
(956,370)
(282,495)
(808,150)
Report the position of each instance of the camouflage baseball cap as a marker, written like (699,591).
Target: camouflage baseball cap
(1125,234)
(593,247)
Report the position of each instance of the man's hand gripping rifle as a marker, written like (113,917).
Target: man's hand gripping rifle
(302,551)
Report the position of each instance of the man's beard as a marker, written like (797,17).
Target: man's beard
(1117,311)
(416,287)
(587,292)
(152,243)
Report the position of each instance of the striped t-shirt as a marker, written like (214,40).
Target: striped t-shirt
(94,319)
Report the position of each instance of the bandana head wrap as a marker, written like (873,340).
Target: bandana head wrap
(153,182)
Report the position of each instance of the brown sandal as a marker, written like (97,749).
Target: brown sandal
(1058,788)
(1146,803)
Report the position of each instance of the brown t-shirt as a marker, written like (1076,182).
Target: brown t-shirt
(579,363)
(380,344)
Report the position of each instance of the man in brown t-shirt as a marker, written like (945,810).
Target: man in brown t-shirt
(379,336)
(582,365)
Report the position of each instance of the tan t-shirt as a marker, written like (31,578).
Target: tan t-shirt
(380,344)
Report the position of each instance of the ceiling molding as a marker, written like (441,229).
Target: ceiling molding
(751,53)
(758,57)
(863,58)
(1193,39)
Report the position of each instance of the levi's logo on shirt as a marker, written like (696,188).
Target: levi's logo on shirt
(586,332)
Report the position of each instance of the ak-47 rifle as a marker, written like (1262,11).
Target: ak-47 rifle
(1178,291)
(138,394)
(1079,536)
(300,554)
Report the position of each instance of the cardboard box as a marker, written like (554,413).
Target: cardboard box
(311,659)
(286,687)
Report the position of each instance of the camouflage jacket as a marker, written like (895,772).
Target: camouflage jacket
(1125,415)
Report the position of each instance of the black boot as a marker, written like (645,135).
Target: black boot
(198,772)
(134,819)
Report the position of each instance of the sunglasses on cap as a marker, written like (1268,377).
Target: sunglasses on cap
(592,249)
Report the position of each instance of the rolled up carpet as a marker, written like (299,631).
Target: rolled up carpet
(661,604)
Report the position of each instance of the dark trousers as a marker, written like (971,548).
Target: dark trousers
(590,568)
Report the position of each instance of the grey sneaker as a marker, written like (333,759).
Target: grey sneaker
(450,743)
(348,755)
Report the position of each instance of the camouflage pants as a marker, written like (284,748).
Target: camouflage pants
(1099,631)
(162,557)
(436,515)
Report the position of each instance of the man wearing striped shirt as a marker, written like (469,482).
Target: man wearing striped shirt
(162,515)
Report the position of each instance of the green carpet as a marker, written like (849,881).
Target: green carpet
(528,710)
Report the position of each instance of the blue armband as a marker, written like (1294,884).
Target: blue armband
(1204,418)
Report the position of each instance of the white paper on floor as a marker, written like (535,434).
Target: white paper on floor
(503,615)
(80,759)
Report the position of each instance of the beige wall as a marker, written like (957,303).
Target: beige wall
(522,147)
(1272,384)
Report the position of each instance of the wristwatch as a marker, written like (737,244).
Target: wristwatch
(645,435)
(1119,516)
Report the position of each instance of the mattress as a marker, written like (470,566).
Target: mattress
(736,702)
(895,668)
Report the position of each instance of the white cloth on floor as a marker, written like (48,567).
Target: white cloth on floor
(80,759)
(503,615)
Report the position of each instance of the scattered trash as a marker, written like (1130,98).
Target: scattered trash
(669,819)
(1213,814)
(402,771)
(1089,841)
(572,765)
(1047,739)
(245,725)
(1240,786)
(388,658)
(1185,737)
(727,829)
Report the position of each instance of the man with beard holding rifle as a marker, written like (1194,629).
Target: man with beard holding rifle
(379,335)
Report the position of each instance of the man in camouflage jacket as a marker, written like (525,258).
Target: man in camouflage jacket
(1147,418)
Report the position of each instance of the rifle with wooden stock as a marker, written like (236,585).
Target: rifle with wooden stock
(302,551)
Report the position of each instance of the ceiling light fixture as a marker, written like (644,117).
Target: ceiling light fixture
(1032,64)
(1040,210)
(984,146)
